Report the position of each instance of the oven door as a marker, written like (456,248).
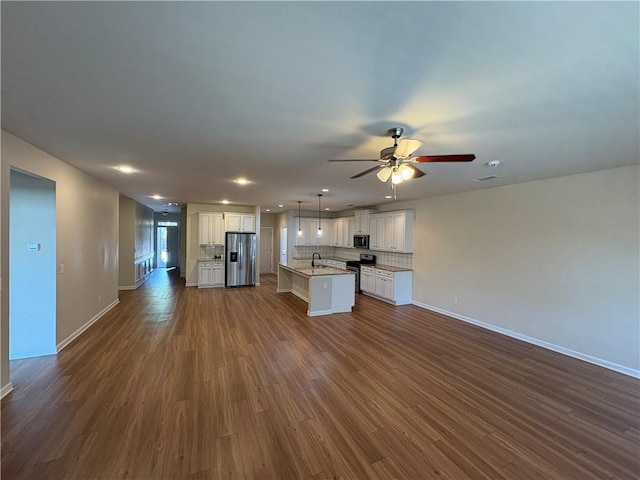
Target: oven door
(356,270)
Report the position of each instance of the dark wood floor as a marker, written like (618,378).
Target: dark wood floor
(239,383)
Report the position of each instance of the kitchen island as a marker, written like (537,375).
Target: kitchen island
(327,290)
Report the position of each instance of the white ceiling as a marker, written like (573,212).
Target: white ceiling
(195,94)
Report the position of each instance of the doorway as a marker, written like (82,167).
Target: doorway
(167,245)
(32,266)
(283,245)
(266,250)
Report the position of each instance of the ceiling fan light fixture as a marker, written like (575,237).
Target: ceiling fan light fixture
(406,172)
(407,146)
(396,177)
(384,174)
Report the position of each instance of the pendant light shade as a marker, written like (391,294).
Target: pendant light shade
(299,229)
(319,232)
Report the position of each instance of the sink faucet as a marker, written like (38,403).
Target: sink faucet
(313,257)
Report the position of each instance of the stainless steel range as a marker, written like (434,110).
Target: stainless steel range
(354,266)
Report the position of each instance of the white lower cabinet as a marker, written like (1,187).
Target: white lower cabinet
(210,274)
(392,287)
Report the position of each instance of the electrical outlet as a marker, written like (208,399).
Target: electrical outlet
(99,298)
(454,300)
(61,268)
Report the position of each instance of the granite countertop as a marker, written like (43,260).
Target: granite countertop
(304,267)
(389,268)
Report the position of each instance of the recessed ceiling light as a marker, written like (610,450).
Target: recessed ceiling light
(494,163)
(327,208)
(156,197)
(325,189)
(225,202)
(268,210)
(281,206)
(242,181)
(125,169)
(388,196)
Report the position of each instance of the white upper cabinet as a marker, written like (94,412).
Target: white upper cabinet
(239,222)
(342,232)
(392,232)
(248,223)
(349,224)
(210,229)
(309,227)
(361,225)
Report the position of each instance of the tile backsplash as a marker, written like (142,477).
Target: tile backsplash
(404,260)
(209,252)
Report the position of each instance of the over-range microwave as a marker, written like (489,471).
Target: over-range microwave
(361,241)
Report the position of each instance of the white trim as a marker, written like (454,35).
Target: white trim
(79,331)
(4,391)
(192,284)
(138,283)
(534,341)
(319,313)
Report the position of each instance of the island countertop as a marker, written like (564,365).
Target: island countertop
(305,268)
(326,290)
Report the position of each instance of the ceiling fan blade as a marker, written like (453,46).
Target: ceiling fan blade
(417,173)
(366,171)
(468,157)
(406,146)
(355,160)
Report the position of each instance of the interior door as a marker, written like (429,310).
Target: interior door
(172,247)
(283,244)
(266,250)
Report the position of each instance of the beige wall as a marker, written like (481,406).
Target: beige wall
(135,239)
(554,260)
(126,242)
(86,241)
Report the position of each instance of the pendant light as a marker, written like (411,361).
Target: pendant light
(299,229)
(319,232)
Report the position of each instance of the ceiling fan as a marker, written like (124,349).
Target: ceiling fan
(396,162)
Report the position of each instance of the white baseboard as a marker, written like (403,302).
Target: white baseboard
(8,388)
(137,284)
(534,341)
(93,320)
(191,284)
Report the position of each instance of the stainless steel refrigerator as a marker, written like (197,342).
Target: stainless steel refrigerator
(240,254)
